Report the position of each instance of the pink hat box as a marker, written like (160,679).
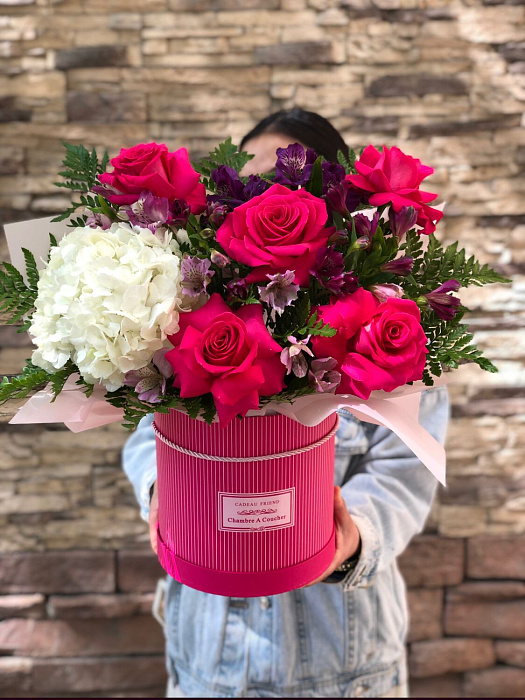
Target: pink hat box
(236,517)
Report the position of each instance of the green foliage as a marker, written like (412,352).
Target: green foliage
(81,169)
(16,297)
(451,345)
(31,379)
(226,153)
(347,161)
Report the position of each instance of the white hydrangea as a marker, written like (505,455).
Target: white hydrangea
(106,300)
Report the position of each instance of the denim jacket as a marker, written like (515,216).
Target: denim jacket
(328,640)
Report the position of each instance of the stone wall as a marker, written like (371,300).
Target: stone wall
(444,80)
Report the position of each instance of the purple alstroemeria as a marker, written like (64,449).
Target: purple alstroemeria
(180,212)
(402,221)
(292,356)
(148,211)
(230,188)
(149,384)
(280,291)
(366,227)
(291,164)
(343,198)
(216,213)
(382,292)
(237,289)
(333,174)
(444,305)
(343,284)
(322,376)
(329,262)
(254,187)
(338,238)
(196,275)
(98,220)
(400,266)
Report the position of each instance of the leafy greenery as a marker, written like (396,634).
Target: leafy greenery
(31,379)
(451,344)
(16,297)
(347,161)
(81,169)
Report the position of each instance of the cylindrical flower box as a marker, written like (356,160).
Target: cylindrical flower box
(234,518)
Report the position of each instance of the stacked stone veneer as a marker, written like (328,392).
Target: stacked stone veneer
(441,78)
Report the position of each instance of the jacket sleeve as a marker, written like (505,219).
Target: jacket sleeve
(389,493)
(139,461)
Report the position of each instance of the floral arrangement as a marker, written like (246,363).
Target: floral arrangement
(191,286)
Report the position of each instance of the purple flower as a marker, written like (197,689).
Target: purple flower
(292,356)
(231,191)
(196,275)
(445,305)
(329,262)
(382,292)
(237,290)
(333,174)
(343,284)
(230,188)
(402,221)
(365,227)
(148,383)
(290,165)
(280,291)
(338,238)
(148,211)
(180,212)
(98,220)
(216,213)
(400,266)
(343,198)
(323,376)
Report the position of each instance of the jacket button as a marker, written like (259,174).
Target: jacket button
(265,603)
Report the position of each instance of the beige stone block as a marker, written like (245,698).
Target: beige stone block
(99,605)
(425,613)
(495,25)
(24,503)
(433,562)
(278,18)
(175,32)
(15,674)
(293,5)
(180,60)
(332,17)
(30,605)
(499,682)
(125,21)
(511,653)
(183,20)
(49,84)
(462,521)
(152,47)
(437,657)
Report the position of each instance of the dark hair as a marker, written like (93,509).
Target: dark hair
(309,128)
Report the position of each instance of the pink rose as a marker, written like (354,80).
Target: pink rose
(228,353)
(395,177)
(151,167)
(276,231)
(377,345)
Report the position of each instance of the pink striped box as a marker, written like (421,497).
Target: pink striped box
(249,527)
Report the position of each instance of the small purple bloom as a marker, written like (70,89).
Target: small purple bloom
(149,384)
(216,213)
(382,292)
(237,290)
(292,356)
(366,227)
(343,198)
(196,275)
(98,220)
(230,188)
(400,266)
(280,291)
(343,284)
(333,174)
(329,262)
(254,187)
(445,305)
(290,164)
(180,212)
(338,238)
(323,376)
(148,211)
(402,221)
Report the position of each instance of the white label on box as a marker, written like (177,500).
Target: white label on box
(246,512)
